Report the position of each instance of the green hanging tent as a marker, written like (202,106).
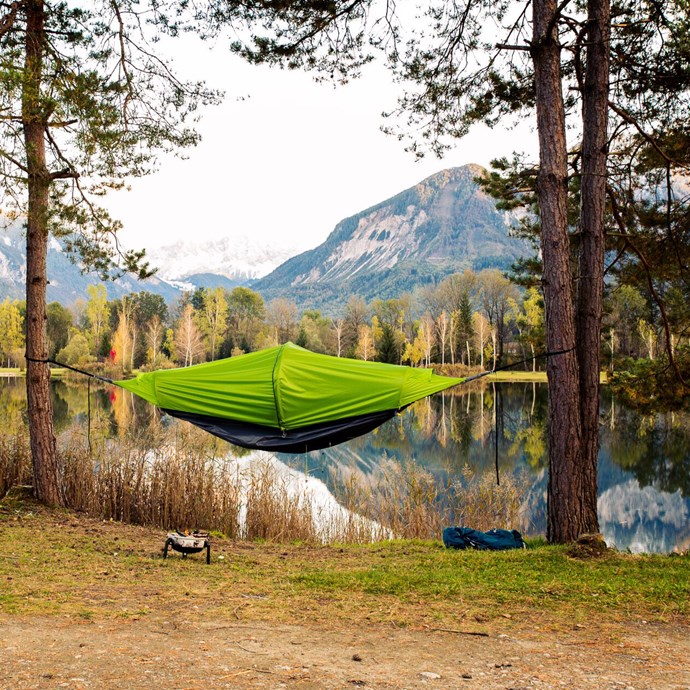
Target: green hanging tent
(287,398)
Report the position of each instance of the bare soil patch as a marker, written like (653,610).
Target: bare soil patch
(180,653)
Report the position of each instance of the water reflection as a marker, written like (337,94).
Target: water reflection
(644,468)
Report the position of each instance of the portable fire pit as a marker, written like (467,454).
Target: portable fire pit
(188,543)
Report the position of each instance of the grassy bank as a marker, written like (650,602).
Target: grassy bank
(56,562)
(529,377)
(15,371)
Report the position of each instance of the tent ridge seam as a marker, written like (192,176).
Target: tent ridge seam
(401,388)
(275,390)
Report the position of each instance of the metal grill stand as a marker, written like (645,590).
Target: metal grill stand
(188,543)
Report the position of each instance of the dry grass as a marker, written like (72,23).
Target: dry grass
(15,462)
(182,479)
(482,503)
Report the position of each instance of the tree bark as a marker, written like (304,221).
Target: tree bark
(564,434)
(591,256)
(46,473)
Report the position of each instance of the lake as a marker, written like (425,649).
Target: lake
(644,460)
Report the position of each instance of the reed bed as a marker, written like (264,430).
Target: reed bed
(183,480)
(15,462)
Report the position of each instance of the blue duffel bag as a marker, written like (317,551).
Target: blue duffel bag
(493,540)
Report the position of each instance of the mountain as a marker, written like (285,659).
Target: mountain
(441,225)
(223,263)
(237,259)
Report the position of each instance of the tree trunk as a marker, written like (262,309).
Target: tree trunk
(46,474)
(591,257)
(564,435)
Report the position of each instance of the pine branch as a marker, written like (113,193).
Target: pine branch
(62,125)
(650,283)
(66,173)
(7,22)
(507,46)
(14,161)
(123,63)
(647,137)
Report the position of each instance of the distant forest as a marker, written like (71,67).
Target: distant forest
(476,319)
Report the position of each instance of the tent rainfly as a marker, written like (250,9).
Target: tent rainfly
(287,398)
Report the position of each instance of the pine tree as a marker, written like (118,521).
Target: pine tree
(464,329)
(86,102)
(387,346)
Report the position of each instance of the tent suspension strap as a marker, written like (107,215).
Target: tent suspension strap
(541,355)
(88,405)
(496,420)
(67,366)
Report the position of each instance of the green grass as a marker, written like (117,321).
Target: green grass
(544,578)
(15,371)
(528,377)
(518,377)
(59,563)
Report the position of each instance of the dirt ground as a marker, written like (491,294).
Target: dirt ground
(171,653)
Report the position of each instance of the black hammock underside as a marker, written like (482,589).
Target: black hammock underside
(300,440)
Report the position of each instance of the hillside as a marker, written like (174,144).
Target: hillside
(441,225)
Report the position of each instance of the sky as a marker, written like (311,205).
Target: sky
(284,158)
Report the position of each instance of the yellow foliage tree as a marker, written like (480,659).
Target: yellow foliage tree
(365,343)
(11,332)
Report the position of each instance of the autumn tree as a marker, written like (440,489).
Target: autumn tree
(482,333)
(624,307)
(419,351)
(365,343)
(11,333)
(59,320)
(337,326)
(315,332)
(98,314)
(124,337)
(458,291)
(246,311)
(390,337)
(356,315)
(189,343)
(77,352)
(214,316)
(155,335)
(86,103)
(495,293)
(281,316)
(529,318)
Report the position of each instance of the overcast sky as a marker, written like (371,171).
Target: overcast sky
(284,158)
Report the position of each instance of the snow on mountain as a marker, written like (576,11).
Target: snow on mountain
(237,258)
